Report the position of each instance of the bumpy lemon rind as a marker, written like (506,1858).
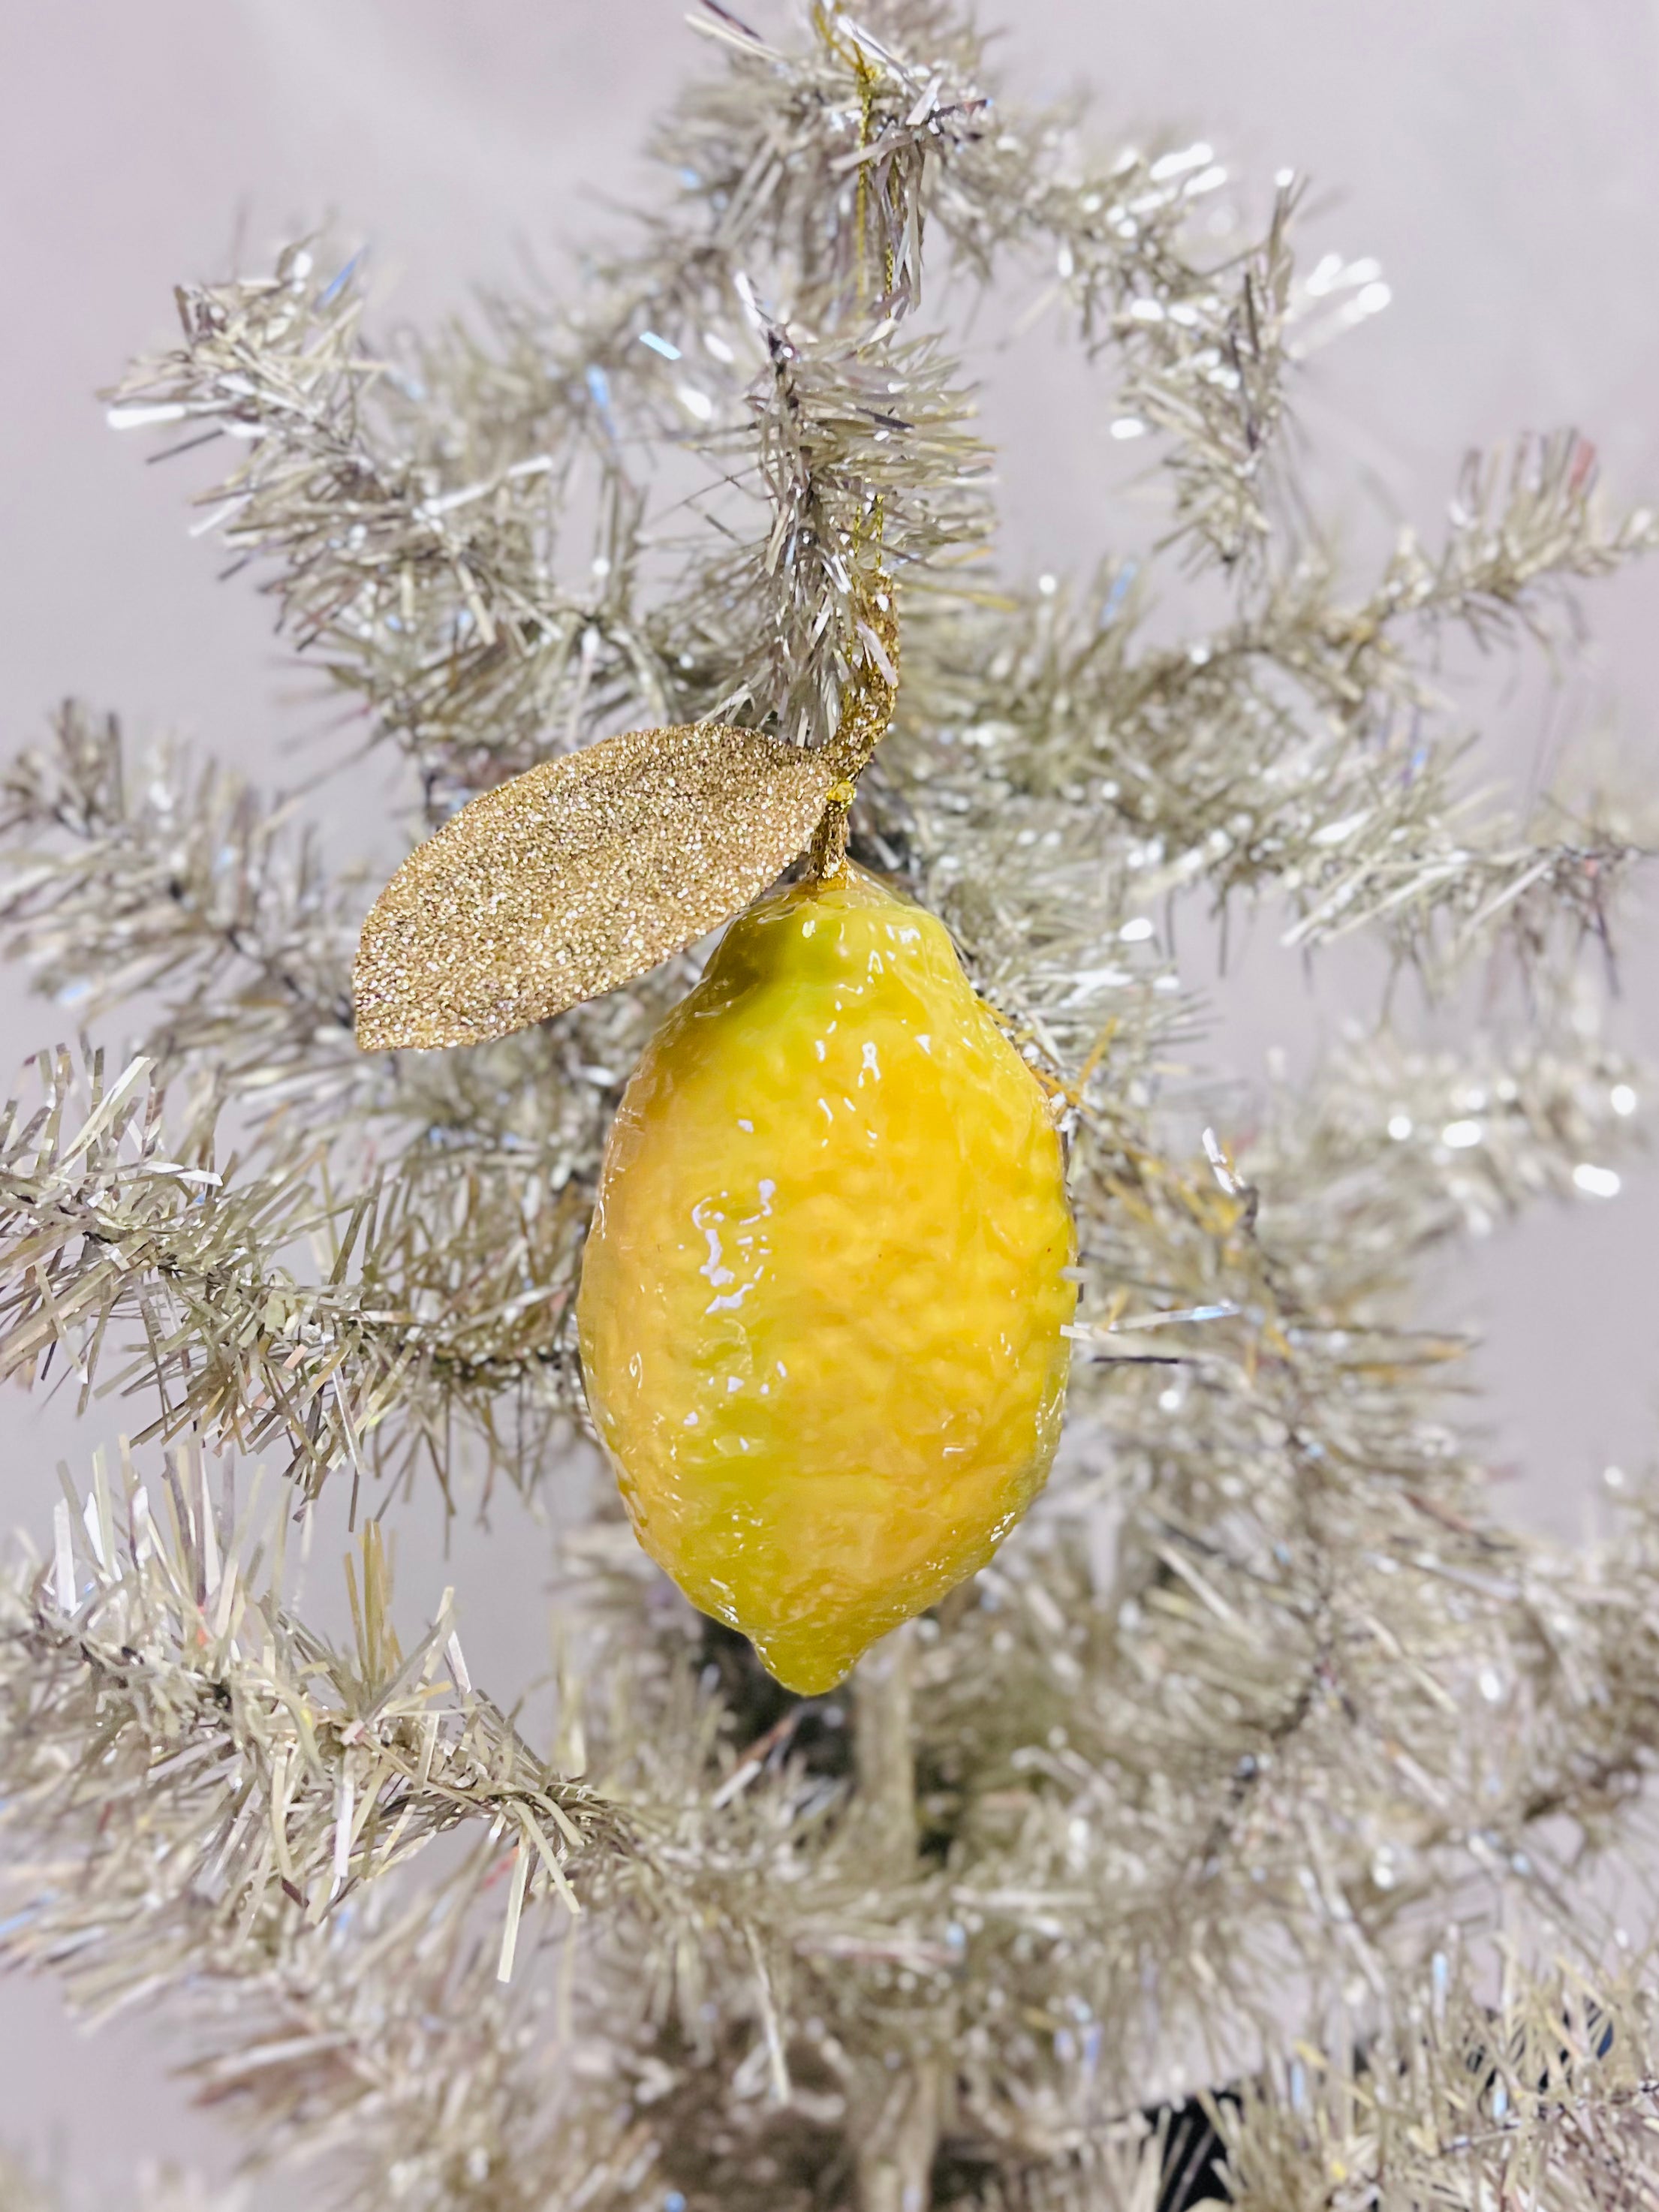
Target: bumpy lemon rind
(914,1255)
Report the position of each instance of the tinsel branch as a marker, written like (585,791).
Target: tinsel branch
(228,1789)
(416,567)
(127,879)
(280,1770)
(1296,752)
(426,593)
(1546,2096)
(124,1242)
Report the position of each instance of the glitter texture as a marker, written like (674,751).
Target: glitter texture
(577,876)
(867,711)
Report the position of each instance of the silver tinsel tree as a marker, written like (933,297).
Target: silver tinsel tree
(1264,1758)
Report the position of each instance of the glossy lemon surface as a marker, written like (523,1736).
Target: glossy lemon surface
(822,1299)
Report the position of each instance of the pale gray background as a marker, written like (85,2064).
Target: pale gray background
(1500,157)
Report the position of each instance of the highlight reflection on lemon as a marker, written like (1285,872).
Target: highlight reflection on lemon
(822,1299)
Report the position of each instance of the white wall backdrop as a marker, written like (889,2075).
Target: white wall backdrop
(1500,158)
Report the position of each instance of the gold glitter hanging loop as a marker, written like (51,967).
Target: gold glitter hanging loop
(848,50)
(867,711)
(577,876)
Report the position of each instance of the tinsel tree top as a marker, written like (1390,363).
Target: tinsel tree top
(1265,1759)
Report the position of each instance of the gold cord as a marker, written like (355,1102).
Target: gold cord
(867,708)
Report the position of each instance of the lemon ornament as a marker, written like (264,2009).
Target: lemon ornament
(823,1297)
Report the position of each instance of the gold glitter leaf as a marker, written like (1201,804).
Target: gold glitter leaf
(577,876)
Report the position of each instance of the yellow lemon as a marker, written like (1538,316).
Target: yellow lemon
(823,1297)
